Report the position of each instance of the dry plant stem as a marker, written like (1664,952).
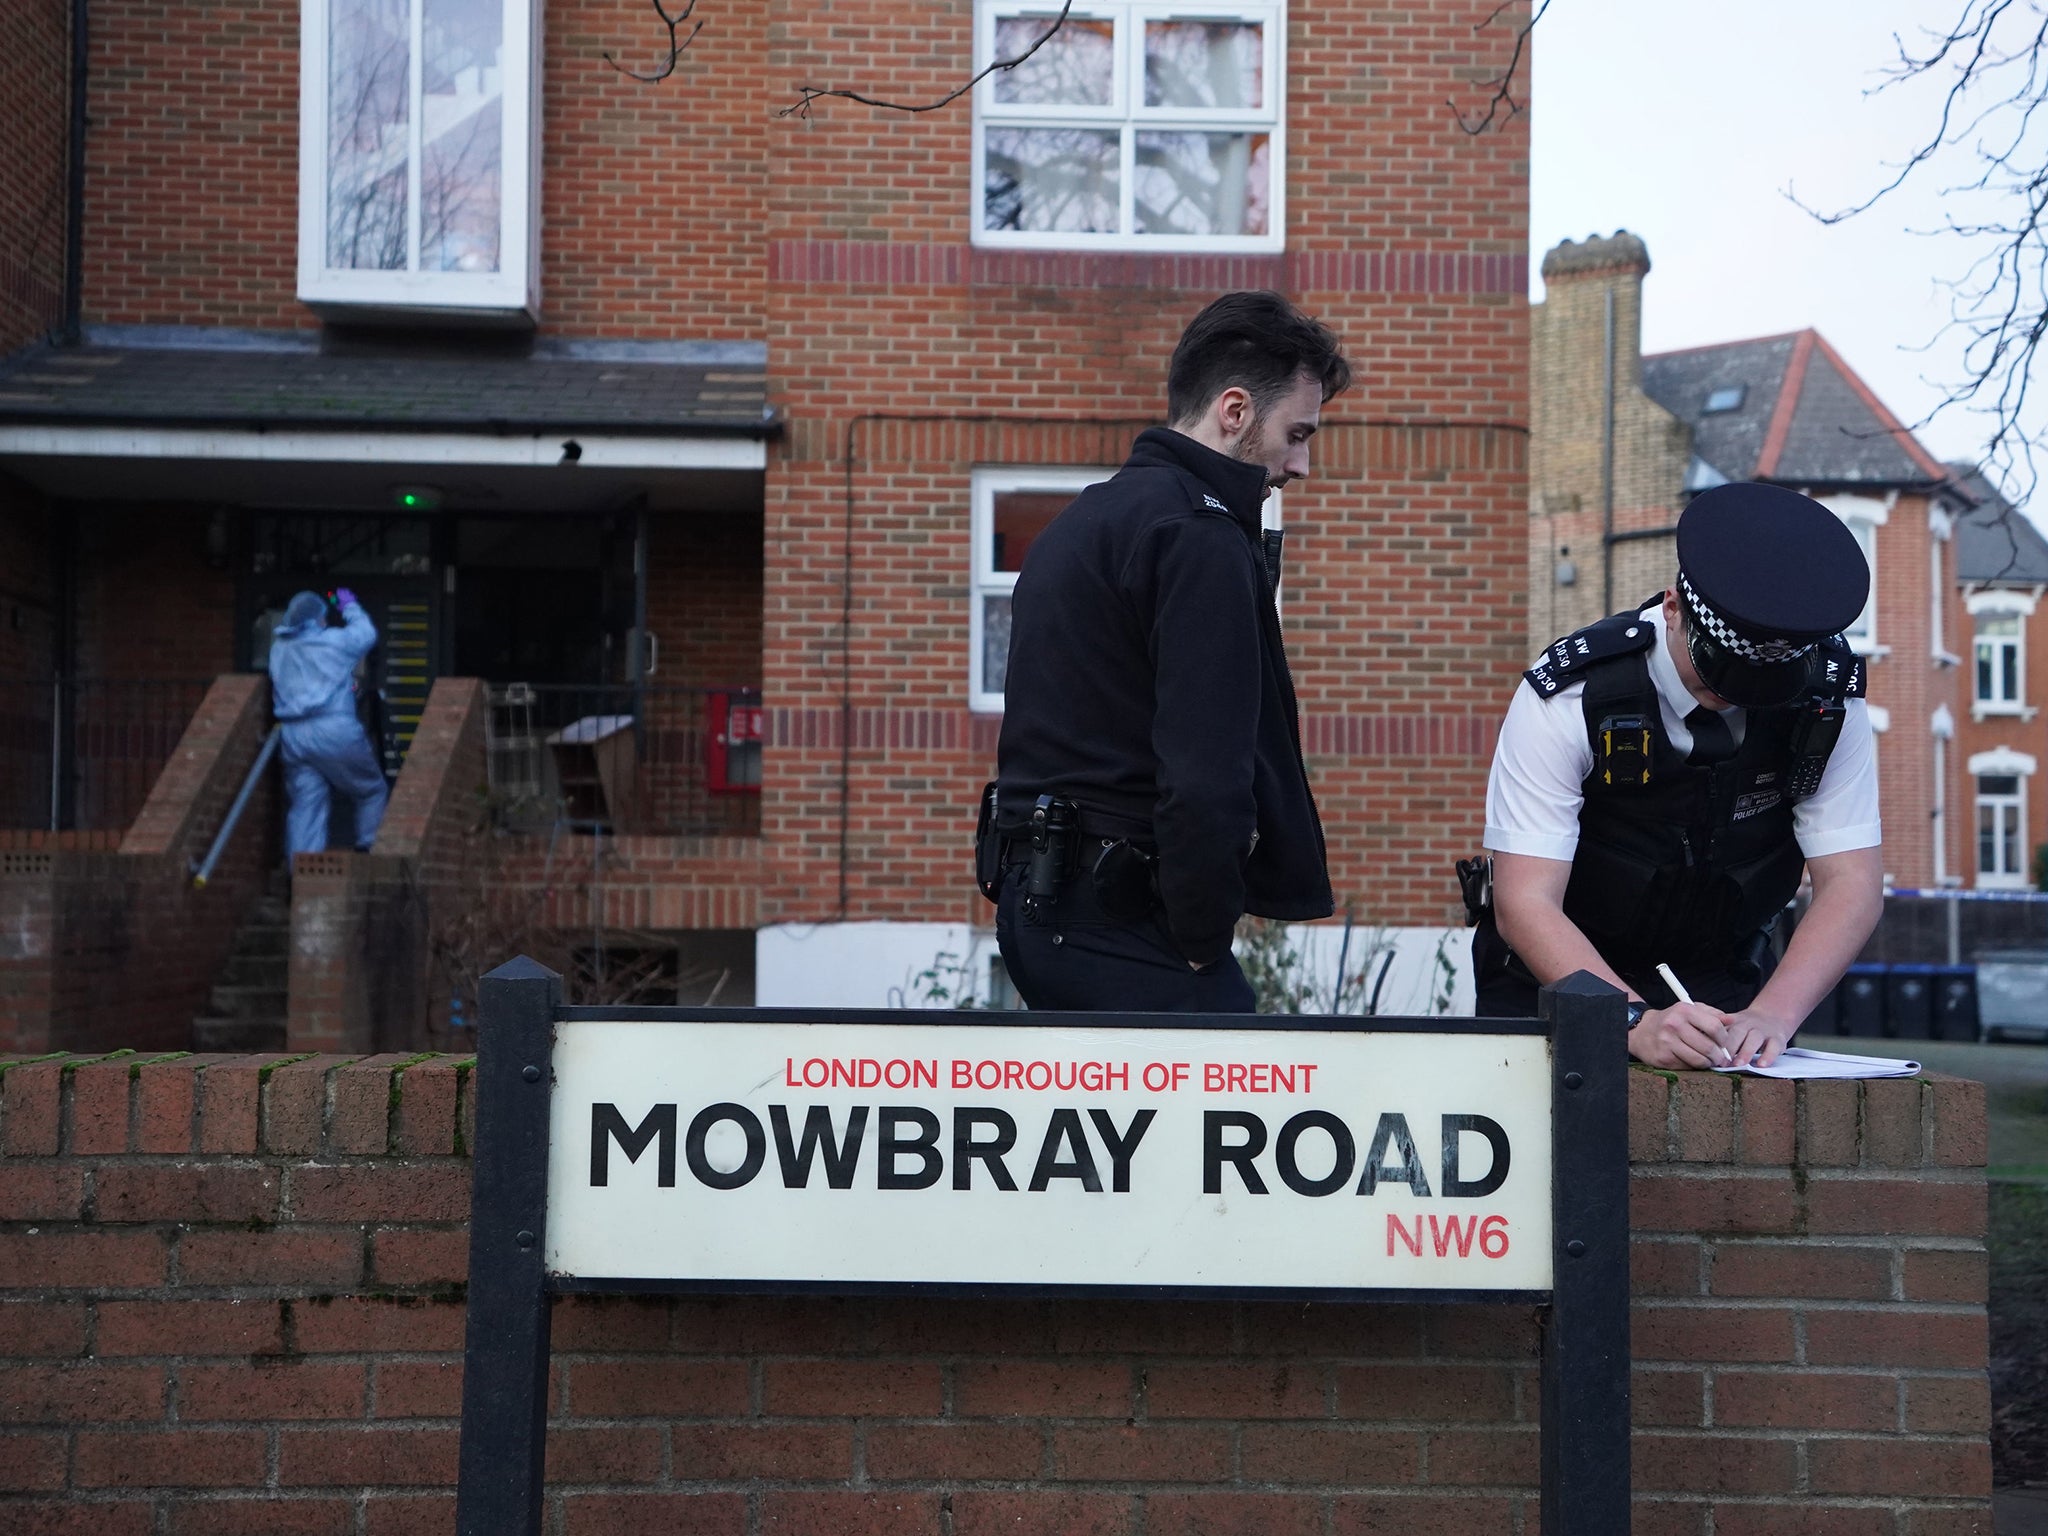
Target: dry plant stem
(1503,107)
(675,47)
(806,94)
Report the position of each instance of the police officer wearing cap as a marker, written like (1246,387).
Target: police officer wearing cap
(1664,776)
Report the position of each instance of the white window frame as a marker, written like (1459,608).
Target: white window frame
(2002,762)
(2015,648)
(510,295)
(2003,602)
(1127,114)
(985,581)
(1863,516)
(1940,529)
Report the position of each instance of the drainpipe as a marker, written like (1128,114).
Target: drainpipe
(74,199)
(1607,464)
(1940,819)
(64,670)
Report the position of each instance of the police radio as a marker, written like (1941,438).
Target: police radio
(1624,751)
(1052,829)
(1816,727)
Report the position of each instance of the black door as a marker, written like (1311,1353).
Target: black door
(388,563)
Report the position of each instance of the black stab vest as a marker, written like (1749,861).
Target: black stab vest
(1687,868)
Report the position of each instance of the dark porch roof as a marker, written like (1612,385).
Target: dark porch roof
(189,377)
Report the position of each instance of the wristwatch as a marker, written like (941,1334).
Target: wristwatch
(1636,1009)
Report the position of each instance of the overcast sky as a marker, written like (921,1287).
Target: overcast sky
(1686,120)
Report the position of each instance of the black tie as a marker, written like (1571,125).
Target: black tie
(1712,741)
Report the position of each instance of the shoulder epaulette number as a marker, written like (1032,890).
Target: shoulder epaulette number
(1842,673)
(1566,659)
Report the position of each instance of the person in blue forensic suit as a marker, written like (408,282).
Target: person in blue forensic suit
(312,692)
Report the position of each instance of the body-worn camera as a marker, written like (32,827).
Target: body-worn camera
(1625,750)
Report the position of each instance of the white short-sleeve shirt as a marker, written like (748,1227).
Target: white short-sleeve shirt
(1535,790)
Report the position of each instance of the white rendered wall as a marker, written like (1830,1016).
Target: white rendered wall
(878,965)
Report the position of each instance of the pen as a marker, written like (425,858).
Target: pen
(1671,980)
(1678,991)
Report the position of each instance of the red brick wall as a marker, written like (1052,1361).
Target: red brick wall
(191,212)
(704,577)
(104,946)
(230,1297)
(148,603)
(35,70)
(652,193)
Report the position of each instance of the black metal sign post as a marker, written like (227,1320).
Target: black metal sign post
(1585,1382)
(1585,1476)
(505,1343)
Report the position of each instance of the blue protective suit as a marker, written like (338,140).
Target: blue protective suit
(326,751)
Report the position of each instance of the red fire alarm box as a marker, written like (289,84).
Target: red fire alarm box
(735,745)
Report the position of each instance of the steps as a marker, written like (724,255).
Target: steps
(247,1012)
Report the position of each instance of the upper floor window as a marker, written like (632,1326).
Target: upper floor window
(416,127)
(1132,127)
(1999,617)
(1998,660)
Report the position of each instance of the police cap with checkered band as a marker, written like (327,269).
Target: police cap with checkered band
(1764,576)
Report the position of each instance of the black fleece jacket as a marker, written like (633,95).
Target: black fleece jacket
(1147,682)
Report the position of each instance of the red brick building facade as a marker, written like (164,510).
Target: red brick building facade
(727,441)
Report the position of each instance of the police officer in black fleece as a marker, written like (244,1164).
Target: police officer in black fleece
(1148,689)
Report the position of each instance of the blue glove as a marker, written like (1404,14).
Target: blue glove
(343,598)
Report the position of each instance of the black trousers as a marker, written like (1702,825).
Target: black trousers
(1076,958)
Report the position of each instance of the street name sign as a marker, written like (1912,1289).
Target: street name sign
(651,1150)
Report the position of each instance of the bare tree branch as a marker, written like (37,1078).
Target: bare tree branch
(1503,108)
(806,94)
(675,48)
(1992,66)
(1908,67)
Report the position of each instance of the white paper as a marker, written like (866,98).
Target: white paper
(1797,1061)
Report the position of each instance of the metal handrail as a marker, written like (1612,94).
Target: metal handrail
(203,871)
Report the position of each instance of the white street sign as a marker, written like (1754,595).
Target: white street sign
(816,1153)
